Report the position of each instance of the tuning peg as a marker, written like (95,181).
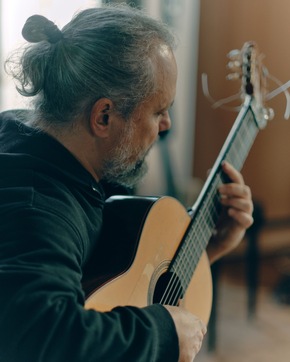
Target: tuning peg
(234,54)
(234,64)
(233,76)
(268,113)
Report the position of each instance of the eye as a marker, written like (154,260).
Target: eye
(162,113)
(165,111)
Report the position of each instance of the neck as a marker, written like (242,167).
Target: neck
(79,142)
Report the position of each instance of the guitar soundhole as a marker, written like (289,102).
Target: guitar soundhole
(168,289)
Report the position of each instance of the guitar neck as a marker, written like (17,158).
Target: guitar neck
(207,207)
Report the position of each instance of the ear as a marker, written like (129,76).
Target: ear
(100,118)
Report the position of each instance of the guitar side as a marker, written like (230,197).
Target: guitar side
(161,232)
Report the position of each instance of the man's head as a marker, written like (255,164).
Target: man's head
(112,67)
(130,140)
(103,52)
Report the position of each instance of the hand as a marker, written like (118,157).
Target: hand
(236,215)
(190,330)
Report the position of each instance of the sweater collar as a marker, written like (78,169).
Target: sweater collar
(18,138)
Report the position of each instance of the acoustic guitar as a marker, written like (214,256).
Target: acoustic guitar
(152,248)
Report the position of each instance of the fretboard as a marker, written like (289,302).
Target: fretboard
(207,206)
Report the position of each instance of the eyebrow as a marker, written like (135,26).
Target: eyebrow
(167,107)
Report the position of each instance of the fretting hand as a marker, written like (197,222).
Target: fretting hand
(236,215)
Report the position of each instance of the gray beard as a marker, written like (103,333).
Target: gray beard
(116,168)
(125,175)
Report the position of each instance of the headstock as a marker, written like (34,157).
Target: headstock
(246,64)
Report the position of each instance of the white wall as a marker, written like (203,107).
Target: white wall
(13,16)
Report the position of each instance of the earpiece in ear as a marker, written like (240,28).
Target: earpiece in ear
(100,117)
(105,119)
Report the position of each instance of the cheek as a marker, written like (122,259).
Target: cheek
(146,132)
(148,141)
(152,134)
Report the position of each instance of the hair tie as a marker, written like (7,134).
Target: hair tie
(38,28)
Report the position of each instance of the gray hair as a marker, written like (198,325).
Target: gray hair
(102,52)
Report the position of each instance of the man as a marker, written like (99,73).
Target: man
(103,86)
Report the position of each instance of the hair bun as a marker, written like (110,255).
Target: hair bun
(38,28)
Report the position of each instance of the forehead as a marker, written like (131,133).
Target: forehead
(165,77)
(165,74)
(164,62)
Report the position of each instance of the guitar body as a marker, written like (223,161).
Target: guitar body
(143,257)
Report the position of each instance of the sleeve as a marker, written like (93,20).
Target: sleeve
(42,317)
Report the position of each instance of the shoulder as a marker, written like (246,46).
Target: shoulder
(16,114)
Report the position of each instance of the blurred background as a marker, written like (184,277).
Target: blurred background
(251,309)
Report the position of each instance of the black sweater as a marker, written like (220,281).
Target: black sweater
(50,219)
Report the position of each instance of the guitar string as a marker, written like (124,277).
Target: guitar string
(207,216)
(232,156)
(196,245)
(204,224)
(185,252)
(184,256)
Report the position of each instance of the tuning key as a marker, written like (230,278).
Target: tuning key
(268,113)
(233,76)
(234,64)
(234,54)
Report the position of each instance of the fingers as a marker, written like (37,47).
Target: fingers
(242,218)
(190,330)
(232,173)
(200,331)
(200,325)
(237,197)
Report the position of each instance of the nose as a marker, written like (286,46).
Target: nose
(165,122)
